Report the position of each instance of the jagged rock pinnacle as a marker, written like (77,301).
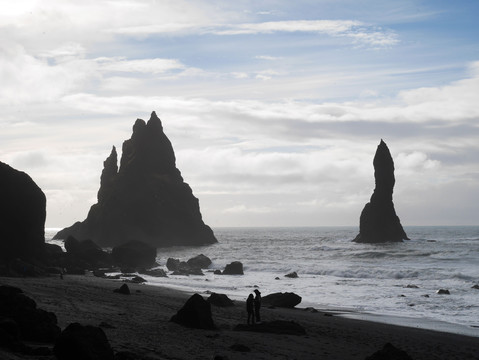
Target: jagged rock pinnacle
(146,198)
(379,222)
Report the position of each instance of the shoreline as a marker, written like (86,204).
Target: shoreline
(391,319)
(140,324)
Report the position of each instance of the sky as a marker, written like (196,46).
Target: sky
(274,108)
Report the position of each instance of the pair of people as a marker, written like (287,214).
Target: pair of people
(253,305)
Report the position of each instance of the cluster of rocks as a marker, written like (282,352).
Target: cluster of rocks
(195,266)
(22,323)
(130,257)
(21,320)
(196,313)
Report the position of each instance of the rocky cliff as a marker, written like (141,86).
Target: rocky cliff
(378,222)
(22,216)
(145,199)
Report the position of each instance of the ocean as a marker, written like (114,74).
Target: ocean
(394,283)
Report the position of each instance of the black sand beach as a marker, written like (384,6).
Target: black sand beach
(139,323)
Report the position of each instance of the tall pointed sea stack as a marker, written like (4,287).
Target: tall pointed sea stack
(379,222)
(146,199)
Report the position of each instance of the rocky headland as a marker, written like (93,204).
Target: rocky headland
(22,215)
(378,222)
(145,198)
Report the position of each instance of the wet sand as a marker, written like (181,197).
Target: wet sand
(140,324)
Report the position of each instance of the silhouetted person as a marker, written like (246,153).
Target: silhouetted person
(257,305)
(250,308)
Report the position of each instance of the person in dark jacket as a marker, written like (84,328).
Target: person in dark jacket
(250,308)
(257,305)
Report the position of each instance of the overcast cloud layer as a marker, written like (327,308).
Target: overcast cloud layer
(274,109)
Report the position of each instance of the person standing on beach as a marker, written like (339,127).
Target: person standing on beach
(250,309)
(257,305)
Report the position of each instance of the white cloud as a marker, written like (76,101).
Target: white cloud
(267,57)
(152,66)
(355,30)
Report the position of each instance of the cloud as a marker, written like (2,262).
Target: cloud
(355,30)
(151,66)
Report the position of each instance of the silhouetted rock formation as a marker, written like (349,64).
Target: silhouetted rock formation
(86,254)
(378,222)
(134,254)
(196,313)
(124,289)
(389,352)
(83,342)
(200,261)
(22,216)
(234,268)
(284,300)
(146,199)
(220,300)
(33,324)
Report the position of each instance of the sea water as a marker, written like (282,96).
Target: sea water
(394,280)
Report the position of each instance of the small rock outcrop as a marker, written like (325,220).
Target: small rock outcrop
(220,300)
(22,216)
(200,261)
(33,324)
(145,199)
(284,300)
(378,222)
(78,342)
(124,289)
(196,313)
(389,352)
(86,253)
(234,268)
(134,254)
(292,275)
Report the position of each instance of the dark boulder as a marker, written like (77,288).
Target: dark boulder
(292,275)
(196,313)
(22,216)
(78,342)
(145,199)
(443,292)
(200,261)
(284,300)
(234,268)
(134,254)
(220,300)
(52,249)
(389,352)
(34,324)
(172,264)
(124,289)
(86,253)
(378,222)
(274,327)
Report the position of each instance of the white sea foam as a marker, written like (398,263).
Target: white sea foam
(399,279)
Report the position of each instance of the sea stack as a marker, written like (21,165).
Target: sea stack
(22,216)
(145,199)
(379,222)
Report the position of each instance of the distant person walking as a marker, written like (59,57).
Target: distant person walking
(257,305)
(250,309)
